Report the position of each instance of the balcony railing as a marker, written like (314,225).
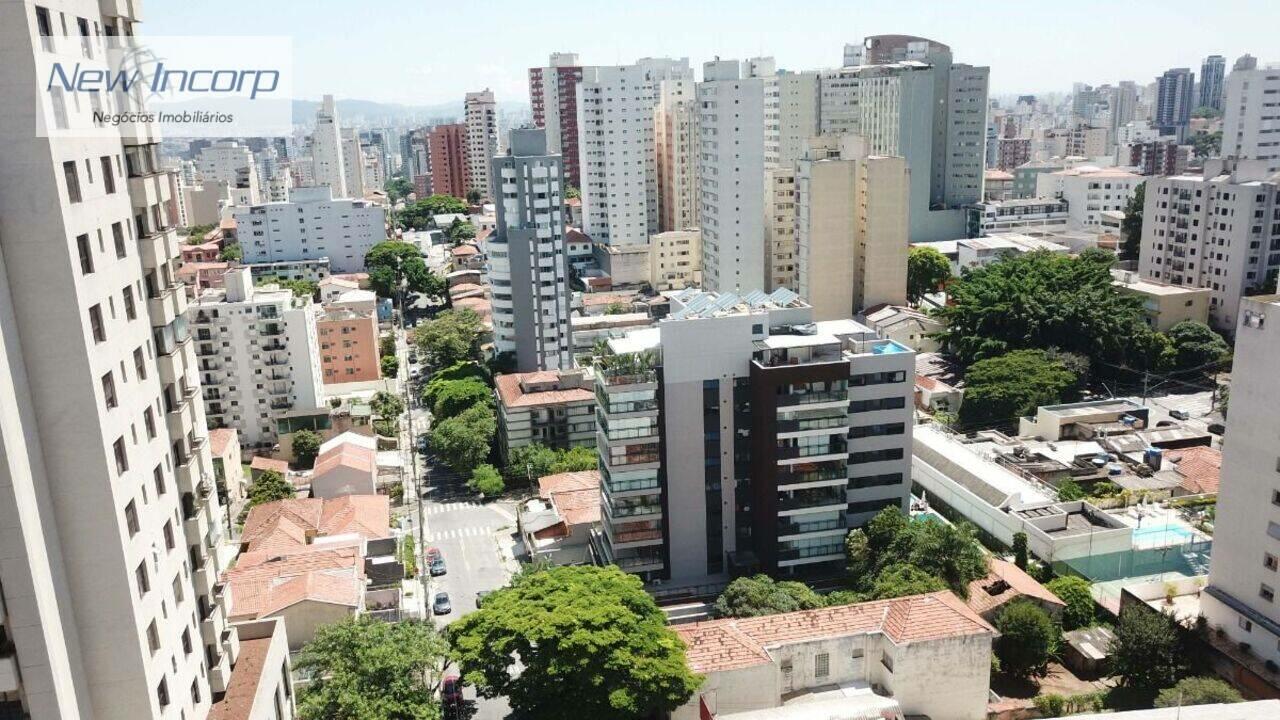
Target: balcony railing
(835,447)
(812,397)
(811,551)
(786,527)
(812,498)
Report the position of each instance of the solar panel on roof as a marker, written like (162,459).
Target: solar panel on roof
(783,297)
(755,298)
(726,301)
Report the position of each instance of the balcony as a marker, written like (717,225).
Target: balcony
(639,563)
(275,361)
(835,446)
(156,249)
(829,473)
(205,578)
(813,398)
(213,624)
(812,554)
(220,673)
(281,404)
(8,672)
(812,499)
(831,526)
(271,329)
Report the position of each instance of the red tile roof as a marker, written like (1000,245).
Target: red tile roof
(514,396)
(1016,584)
(465,250)
(347,454)
(720,645)
(221,438)
(263,584)
(237,701)
(1200,468)
(265,463)
(291,523)
(575,495)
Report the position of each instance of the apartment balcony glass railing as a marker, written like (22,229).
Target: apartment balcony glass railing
(787,527)
(835,446)
(812,397)
(812,498)
(826,471)
(811,551)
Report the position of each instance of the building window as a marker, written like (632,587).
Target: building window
(130,310)
(95,324)
(1245,624)
(122,459)
(153,637)
(144,580)
(108,178)
(195,688)
(72,177)
(109,391)
(168,535)
(1269,561)
(131,518)
(45,28)
(1266,592)
(186,647)
(86,254)
(139,362)
(162,692)
(822,665)
(117,233)
(149,420)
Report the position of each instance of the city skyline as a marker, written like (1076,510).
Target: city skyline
(1057,50)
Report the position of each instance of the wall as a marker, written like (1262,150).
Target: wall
(944,679)
(303,619)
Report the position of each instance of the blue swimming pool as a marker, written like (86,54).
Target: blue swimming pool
(1162,535)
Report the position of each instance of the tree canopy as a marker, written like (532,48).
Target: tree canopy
(1027,639)
(386,405)
(762,595)
(1074,591)
(451,397)
(999,389)
(451,338)
(1041,300)
(306,446)
(1146,652)
(879,554)
(231,252)
(927,270)
(419,214)
(536,460)
(460,232)
(487,481)
(366,669)
(1131,226)
(397,188)
(392,262)
(589,642)
(269,487)
(463,441)
(902,580)
(1206,144)
(1194,345)
(1197,691)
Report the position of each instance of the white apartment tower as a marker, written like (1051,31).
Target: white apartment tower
(309,226)
(108,578)
(737,142)
(782,261)
(797,113)
(851,228)
(352,164)
(1240,599)
(1251,116)
(231,163)
(528,265)
(617,152)
(258,357)
(480,114)
(1219,230)
(326,150)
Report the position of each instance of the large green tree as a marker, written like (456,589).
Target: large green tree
(1041,300)
(1131,226)
(419,214)
(1197,691)
(762,595)
(463,441)
(306,446)
(460,232)
(531,461)
(1074,591)
(568,643)
(397,188)
(576,459)
(487,481)
(1027,639)
(392,262)
(927,270)
(452,337)
(1002,388)
(1195,345)
(366,669)
(269,487)
(386,404)
(902,580)
(1146,653)
(1206,144)
(453,396)
(893,552)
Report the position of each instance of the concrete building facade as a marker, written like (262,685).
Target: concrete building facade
(343,230)
(1251,116)
(553,95)
(480,114)
(326,150)
(556,409)
(230,162)
(675,260)
(447,146)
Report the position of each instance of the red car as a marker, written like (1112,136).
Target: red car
(431,555)
(451,692)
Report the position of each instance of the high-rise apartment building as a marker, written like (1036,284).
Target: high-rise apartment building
(617,148)
(851,228)
(326,150)
(1240,597)
(258,357)
(1123,102)
(782,261)
(1251,116)
(528,265)
(740,436)
(108,575)
(553,95)
(906,97)
(1174,102)
(353,164)
(229,162)
(797,113)
(343,230)
(447,145)
(675,135)
(1211,73)
(1219,230)
(481,118)
(737,117)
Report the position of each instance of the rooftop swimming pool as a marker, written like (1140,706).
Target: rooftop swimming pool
(1162,535)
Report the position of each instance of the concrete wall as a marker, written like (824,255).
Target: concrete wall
(944,679)
(303,619)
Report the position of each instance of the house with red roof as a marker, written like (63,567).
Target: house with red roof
(557,524)
(347,465)
(930,654)
(555,408)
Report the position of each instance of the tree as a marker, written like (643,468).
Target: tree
(487,481)
(1069,490)
(270,486)
(1005,387)
(452,337)
(533,461)
(1074,591)
(196,233)
(231,252)
(1197,691)
(927,270)
(1195,345)
(616,308)
(397,188)
(299,288)
(857,555)
(306,446)
(1146,652)
(463,441)
(1131,226)
(367,669)
(571,192)
(387,344)
(950,553)
(576,459)
(474,196)
(386,405)
(1020,550)
(902,580)
(453,396)
(1206,111)
(1027,639)
(1041,300)
(589,642)
(1206,144)
(762,595)
(392,262)
(390,366)
(419,214)
(460,232)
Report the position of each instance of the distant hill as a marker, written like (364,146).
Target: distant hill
(374,113)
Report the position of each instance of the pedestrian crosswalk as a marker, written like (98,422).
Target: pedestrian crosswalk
(441,508)
(458,534)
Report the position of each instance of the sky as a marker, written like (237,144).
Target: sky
(417,52)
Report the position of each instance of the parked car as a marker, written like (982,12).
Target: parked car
(437,567)
(1179,415)
(451,691)
(432,554)
(441,606)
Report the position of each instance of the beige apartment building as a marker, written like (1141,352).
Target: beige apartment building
(851,228)
(781,265)
(675,260)
(348,345)
(1164,305)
